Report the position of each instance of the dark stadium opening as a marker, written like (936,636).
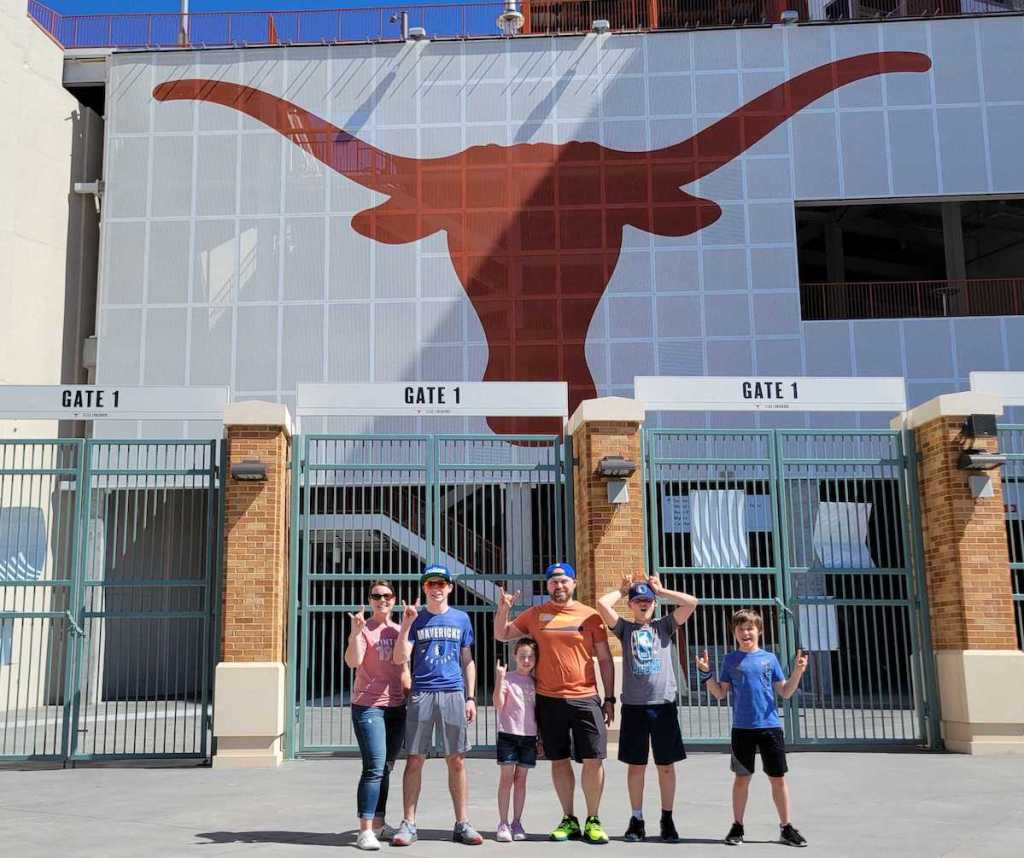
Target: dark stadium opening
(927,258)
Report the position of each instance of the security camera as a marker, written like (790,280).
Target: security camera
(511,20)
(979,460)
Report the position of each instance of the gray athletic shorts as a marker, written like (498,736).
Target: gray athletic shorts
(443,711)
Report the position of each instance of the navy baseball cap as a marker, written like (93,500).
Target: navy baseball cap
(560,569)
(641,590)
(436,571)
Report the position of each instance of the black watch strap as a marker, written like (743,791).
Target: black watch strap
(611,700)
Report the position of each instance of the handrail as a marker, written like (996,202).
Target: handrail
(236,29)
(912,299)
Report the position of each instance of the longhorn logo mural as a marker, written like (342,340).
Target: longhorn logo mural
(535,229)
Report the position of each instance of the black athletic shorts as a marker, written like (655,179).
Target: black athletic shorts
(571,727)
(768,741)
(645,728)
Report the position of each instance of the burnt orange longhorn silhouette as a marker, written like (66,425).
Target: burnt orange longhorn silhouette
(535,229)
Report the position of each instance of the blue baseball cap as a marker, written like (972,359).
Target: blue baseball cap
(436,571)
(556,569)
(641,590)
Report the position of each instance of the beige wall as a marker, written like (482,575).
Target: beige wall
(35,174)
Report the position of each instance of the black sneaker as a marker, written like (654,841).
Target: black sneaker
(668,830)
(735,835)
(636,831)
(790,836)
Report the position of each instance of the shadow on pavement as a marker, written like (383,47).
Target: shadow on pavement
(300,838)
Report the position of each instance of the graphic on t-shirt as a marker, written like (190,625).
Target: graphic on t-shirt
(385,647)
(438,644)
(641,644)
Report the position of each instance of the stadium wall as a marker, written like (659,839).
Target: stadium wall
(237,254)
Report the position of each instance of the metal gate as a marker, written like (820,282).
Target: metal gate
(108,555)
(818,531)
(1011,443)
(495,510)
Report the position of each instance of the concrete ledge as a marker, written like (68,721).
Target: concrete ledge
(259,413)
(607,408)
(949,405)
(981,693)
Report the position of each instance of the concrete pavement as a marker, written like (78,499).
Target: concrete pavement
(846,804)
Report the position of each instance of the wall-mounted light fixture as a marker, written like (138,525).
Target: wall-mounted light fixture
(601,25)
(249,470)
(976,461)
(617,470)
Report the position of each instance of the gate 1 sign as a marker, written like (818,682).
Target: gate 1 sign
(97,402)
(770,393)
(1008,385)
(435,398)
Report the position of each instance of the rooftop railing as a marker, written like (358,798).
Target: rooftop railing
(912,299)
(468,20)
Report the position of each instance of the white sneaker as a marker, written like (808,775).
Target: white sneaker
(385,832)
(367,841)
(504,833)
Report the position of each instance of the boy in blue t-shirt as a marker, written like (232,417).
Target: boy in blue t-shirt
(439,642)
(754,677)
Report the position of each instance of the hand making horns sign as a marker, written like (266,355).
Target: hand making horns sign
(358,622)
(409,612)
(703,663)
(507,600)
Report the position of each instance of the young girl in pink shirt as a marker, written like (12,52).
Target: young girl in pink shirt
(514,698)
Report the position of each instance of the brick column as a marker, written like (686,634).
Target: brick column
(249,691)
(980,671)
(609,537)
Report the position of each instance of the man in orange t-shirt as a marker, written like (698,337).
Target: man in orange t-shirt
(571,718)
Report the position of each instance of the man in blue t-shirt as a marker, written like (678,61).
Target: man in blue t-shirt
(440,643)
(754,677)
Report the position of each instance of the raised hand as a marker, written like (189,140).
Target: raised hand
(409,612)
(802,660)
(654,582)
(507,600)
(499,671)
(626,583)
(703,663)
(358,622)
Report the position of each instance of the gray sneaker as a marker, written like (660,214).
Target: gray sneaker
(406,834)
(465,833)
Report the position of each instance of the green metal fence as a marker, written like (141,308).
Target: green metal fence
(1011,442)
(815,530)
(108,559)
(495,510)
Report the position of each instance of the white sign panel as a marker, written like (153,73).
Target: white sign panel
(676,518)
(460,398)
(770,393)
(99,402)
(1008,385)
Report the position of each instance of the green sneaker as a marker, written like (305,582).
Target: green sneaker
(593,832)
(568,829)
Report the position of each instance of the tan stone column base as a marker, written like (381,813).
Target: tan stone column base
(982,698)
(249,700)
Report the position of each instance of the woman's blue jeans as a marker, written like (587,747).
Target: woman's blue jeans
(379,731)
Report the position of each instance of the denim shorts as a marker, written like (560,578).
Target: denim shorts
(516,750)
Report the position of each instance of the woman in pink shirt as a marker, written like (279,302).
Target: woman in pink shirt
(378,709)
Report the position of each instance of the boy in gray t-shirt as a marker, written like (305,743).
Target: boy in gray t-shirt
(648,716)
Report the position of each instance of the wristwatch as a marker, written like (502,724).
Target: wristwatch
(611,700)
